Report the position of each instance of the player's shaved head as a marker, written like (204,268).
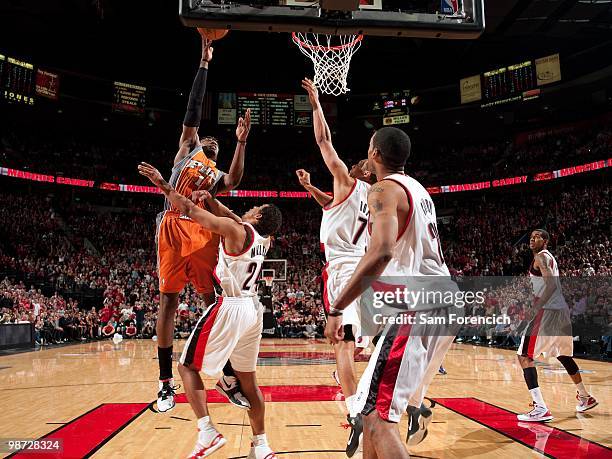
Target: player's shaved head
(393,145)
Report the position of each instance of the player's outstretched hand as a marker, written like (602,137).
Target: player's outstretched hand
(303,177)
(244,126)
(200,196)
(151,173)
(207,49)
(334,331)
(311,89)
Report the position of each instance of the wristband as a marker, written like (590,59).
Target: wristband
(333,312)
(243,142)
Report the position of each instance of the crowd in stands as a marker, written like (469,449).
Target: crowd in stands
(509,159)
(53,252)
(489,237)
(108,160)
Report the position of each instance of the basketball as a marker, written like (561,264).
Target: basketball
(213,34)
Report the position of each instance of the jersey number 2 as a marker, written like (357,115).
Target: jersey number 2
(252,269)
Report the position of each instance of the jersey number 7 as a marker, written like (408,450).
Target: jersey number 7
(363,222)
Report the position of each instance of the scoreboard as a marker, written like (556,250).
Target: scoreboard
(516,82)
(394,107)
(129,98)
(267,109)
(509,81)
(16,80)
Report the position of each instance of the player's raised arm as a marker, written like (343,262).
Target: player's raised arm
(323,137)
(232,179)
(223,226)
(322,198)
(189,137)
(383,203)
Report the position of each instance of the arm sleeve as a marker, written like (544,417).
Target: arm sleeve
(196,97)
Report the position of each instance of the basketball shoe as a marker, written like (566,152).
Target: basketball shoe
(165,396)
(261,452)
(418,421)
(537,414)
(209,441)
(229,387)
(585,403)
(356,434)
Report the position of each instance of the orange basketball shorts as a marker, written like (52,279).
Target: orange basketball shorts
(186,253)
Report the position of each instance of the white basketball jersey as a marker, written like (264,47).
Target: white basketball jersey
(417,251)
(343,225)
(556,301)
(237,273)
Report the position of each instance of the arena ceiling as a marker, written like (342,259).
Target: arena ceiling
(145,42)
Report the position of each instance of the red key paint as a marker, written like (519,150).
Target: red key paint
(281,394)
(85,434)
(539,436)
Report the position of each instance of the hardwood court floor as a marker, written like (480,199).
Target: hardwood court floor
(95,397)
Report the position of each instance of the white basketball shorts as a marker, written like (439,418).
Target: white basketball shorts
(230,329)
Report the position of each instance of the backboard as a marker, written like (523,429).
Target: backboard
(277,267)
(449,19)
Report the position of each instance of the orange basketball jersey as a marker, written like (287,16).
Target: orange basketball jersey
(187,252)
(193,173)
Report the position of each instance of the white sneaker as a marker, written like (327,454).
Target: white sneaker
(585,403)
(165,396)
(209,441)
(261,452)
(229,387)
(537,414)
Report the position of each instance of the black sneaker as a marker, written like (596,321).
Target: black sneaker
(418,420)
(229,387)
(354,439)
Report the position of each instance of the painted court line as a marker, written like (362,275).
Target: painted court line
(546,439)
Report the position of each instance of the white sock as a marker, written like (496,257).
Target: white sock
(582,390)
(536,395)
(259,440)
(350,402)
(204,423)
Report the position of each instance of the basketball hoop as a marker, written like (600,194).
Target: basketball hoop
(331,56)
(269,280)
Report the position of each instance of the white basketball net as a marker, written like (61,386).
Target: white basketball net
(331,56)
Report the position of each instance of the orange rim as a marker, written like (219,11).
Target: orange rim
(304,44)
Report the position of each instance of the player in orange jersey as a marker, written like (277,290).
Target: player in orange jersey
(186,252)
